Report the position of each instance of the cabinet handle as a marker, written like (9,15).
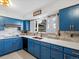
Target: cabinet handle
(65,56)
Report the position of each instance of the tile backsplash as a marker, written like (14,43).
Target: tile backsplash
(66,36)
(70,36)
(9,32)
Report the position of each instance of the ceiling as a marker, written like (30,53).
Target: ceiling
(21,7)
(25,6)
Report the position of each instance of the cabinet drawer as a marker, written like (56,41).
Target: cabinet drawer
(71,51)
(56,47)
(45,44)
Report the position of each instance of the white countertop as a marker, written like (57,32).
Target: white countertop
(72,45)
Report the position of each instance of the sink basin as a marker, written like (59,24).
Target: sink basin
(37,37)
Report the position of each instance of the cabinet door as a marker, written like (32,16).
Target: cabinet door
(8,45)
(17,43)
(30,46)
(5,46)
(2,47)
(45,52)
(26,25)
(56,54)
(1,23)
(37,50)
(66,56)
(65,19)
(75,24)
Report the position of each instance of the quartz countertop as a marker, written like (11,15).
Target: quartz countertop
(68,44)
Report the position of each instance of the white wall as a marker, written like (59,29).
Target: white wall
(32,26)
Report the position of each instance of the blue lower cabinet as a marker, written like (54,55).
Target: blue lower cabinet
(10,45)
(66,56)
(17,43)
(30,46)
(20,43)
(37,51)
(45,50)
(2,47)
(57,52)
(71,53)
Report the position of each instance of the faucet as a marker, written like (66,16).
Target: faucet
(40,34)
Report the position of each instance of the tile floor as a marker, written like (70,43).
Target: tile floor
(18,55)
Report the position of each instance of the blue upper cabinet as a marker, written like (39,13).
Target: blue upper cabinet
(26,25)
(7,20)
(1,23)
(12,21)
(69,18)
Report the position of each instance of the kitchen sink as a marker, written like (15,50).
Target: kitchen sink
(37,37)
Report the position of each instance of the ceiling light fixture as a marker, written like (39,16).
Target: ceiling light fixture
(4,3)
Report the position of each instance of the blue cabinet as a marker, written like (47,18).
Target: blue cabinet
(66,56)
(8,20)
(2,47)
(10,45)
(37,49)
(45,50)
(31,46)
(64,22)
(34,48)
(26,25)
(1,23)
(69,18)
(17,43)
(71,53)
(57,52)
